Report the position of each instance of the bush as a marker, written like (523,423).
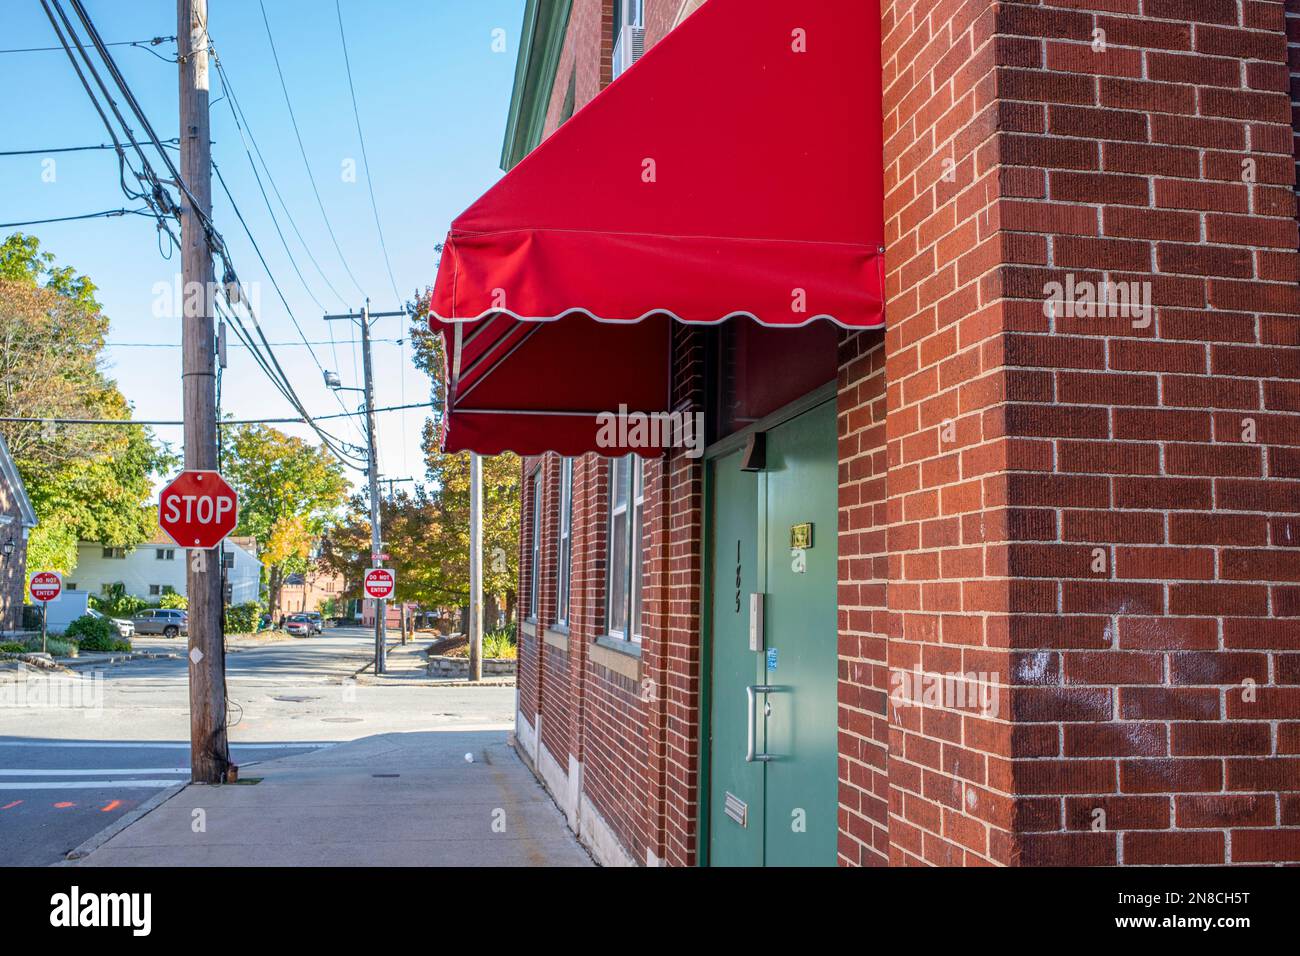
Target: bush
(174,601)
(117,603)
(13,647)
(501,643)
(95,634)
(243,618)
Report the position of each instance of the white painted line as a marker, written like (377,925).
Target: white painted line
(111,771)
(90,785)
(142,745)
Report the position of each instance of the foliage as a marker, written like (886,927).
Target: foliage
(426,532)
(54,646)
(501,643)
(117,603)
(288,490)
(88,627)
(86,483)
(12,647)
(175,601)
(243,618)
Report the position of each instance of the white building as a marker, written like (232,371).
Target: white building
(158,567)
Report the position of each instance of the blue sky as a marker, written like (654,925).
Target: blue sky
(433,96)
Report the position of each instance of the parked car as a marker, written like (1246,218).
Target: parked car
(317,621)
(168,622)
(124,627)
(297,625)
(311,620)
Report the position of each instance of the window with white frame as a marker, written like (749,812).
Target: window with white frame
(564,550)
(535,564)
(165,554)
(629,34)
(115,553)
(626,510)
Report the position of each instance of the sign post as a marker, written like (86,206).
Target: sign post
(45,586)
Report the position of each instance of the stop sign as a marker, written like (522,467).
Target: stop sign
(46,585)
(198,509)
(379,583)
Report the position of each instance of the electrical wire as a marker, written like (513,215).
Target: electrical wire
(303,150)
(365,160)
(106,214)
(170,143)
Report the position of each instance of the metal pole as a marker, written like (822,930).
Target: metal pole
(45,612)
(376,535)
(209,749)
(475,567)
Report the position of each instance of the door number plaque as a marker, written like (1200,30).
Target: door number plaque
(801,535)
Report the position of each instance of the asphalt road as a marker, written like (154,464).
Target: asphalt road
(76,753)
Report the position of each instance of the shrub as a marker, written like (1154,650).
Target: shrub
(243,618)
(174,601)
(117,603)
(501,643)
(95,634)
(13,647)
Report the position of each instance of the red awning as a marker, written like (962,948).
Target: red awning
(735,170)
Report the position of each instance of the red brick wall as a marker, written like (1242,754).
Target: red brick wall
(1123,555)
(863,632)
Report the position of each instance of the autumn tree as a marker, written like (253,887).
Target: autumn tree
(87,483)
(289,490)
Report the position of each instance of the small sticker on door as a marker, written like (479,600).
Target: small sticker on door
(771,658)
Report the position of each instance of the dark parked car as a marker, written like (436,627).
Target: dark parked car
(168,622)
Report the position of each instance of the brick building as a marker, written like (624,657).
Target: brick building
(1026,566)
(17,519)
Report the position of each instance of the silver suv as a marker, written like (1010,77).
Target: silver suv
(168,622)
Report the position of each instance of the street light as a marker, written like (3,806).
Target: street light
(8,548)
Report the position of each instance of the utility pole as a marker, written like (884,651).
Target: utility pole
(372,465)
(475,567)
(209,747)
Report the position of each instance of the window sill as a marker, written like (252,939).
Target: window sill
(618,655)
(556,638)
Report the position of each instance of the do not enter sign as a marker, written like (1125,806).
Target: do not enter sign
(46,585)
(379,583)
(198,509)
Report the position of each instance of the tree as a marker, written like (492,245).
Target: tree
(88,483)
(449,475)
(289,489)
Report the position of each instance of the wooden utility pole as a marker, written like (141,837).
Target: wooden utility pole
(209,748)
(475,567)
(372,464)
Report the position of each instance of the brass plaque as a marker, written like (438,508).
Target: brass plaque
(801,535)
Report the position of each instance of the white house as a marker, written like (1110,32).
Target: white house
(158,567)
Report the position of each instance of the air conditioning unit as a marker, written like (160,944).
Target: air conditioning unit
(628,48)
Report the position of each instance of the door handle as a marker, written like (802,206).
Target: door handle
(751,691)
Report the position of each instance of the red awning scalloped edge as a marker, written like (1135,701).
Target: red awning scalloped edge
(734,171)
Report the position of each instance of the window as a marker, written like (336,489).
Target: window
(626,510)
(168,589)
(227,559)
(72,586)
(155,590)
(535,566)
(165,554)
(565,549)
(116,553)
(629,34)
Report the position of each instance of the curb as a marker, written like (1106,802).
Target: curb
(77,664)
(121,823)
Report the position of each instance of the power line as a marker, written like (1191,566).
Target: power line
(176,345)
(227,421)
(106,214)
(303,150)
(365,160)
(170,143)
(143,44)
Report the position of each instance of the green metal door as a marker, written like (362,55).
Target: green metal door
(783,767)
(801,636)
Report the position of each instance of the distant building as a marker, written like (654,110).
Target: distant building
(157,567)
(309,591)
(17,518)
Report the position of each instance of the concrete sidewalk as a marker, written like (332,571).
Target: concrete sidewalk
(391,800)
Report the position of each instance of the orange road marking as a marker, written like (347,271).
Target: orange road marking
(10,806)
(110,806)
(64,805)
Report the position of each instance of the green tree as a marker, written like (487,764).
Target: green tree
(288,489)
(89,483)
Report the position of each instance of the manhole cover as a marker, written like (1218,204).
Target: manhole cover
(293,699)
(341,720)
